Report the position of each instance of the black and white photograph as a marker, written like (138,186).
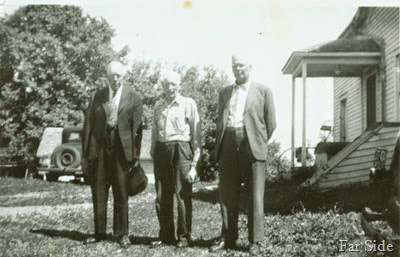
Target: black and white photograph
(199,128)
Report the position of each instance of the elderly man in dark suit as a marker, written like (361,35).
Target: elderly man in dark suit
(246,121)
(111,147)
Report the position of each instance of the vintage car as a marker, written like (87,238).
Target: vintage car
(60,153)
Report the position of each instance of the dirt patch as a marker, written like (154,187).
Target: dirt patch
(14,212)
(27,195)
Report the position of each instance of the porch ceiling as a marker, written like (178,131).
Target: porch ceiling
(339,58)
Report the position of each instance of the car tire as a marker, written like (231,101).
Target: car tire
(66,156)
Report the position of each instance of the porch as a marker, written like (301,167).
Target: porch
(346,58)
(342,58)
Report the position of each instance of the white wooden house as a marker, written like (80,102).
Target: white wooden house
(365,64)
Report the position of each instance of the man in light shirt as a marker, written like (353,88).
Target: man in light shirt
(111,141)
(175,148)
(246,120)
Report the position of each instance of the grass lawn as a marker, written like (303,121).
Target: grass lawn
(40,218)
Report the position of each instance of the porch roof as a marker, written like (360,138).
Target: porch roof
(338,58)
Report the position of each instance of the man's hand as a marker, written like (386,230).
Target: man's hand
(130,165)
(192,175)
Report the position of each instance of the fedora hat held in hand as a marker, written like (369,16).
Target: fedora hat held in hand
(136,181)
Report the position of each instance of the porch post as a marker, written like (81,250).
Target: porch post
(303,146)
(293,150)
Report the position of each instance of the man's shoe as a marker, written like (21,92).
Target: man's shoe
(255,249)
(124,242)
(90,240)
(182,243)
(157,243)
(95,239)
(221,244)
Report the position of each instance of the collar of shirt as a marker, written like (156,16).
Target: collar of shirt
(111,91)
(244,86)
(177,100)
(117,97)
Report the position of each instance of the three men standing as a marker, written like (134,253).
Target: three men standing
(246,120)
(112,136)
(175,148)
(111,146)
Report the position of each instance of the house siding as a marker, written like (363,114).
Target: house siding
(382,23)
(349,89)
(354,168)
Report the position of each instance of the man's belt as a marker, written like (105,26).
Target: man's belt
(234,129)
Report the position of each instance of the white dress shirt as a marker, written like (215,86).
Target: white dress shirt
(237,104)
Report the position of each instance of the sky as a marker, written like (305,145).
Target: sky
(209,31)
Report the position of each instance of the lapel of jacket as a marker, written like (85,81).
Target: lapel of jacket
(104,97)
(124,98)
(250,97)
(226,101)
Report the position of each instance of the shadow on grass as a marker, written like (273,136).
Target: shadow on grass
(70,234)
(203,243)
(284,196)
(204,195)
(79,236)
(138,240)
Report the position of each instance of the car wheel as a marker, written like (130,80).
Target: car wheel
(66,156)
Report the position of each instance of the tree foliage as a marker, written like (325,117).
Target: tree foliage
(51,58)
(204,90)
(144,76)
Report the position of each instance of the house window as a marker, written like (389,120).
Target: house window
(343,120)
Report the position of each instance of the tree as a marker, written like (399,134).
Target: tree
(144,76)
(204,90)
(51,59)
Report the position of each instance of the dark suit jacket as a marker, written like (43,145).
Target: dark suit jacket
(129,124)
(258,118)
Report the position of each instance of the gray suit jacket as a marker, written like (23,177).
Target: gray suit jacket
(259,118)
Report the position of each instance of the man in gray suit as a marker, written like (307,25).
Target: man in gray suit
(246,121)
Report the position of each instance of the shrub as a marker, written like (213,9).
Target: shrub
(51,58)
(276,164)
